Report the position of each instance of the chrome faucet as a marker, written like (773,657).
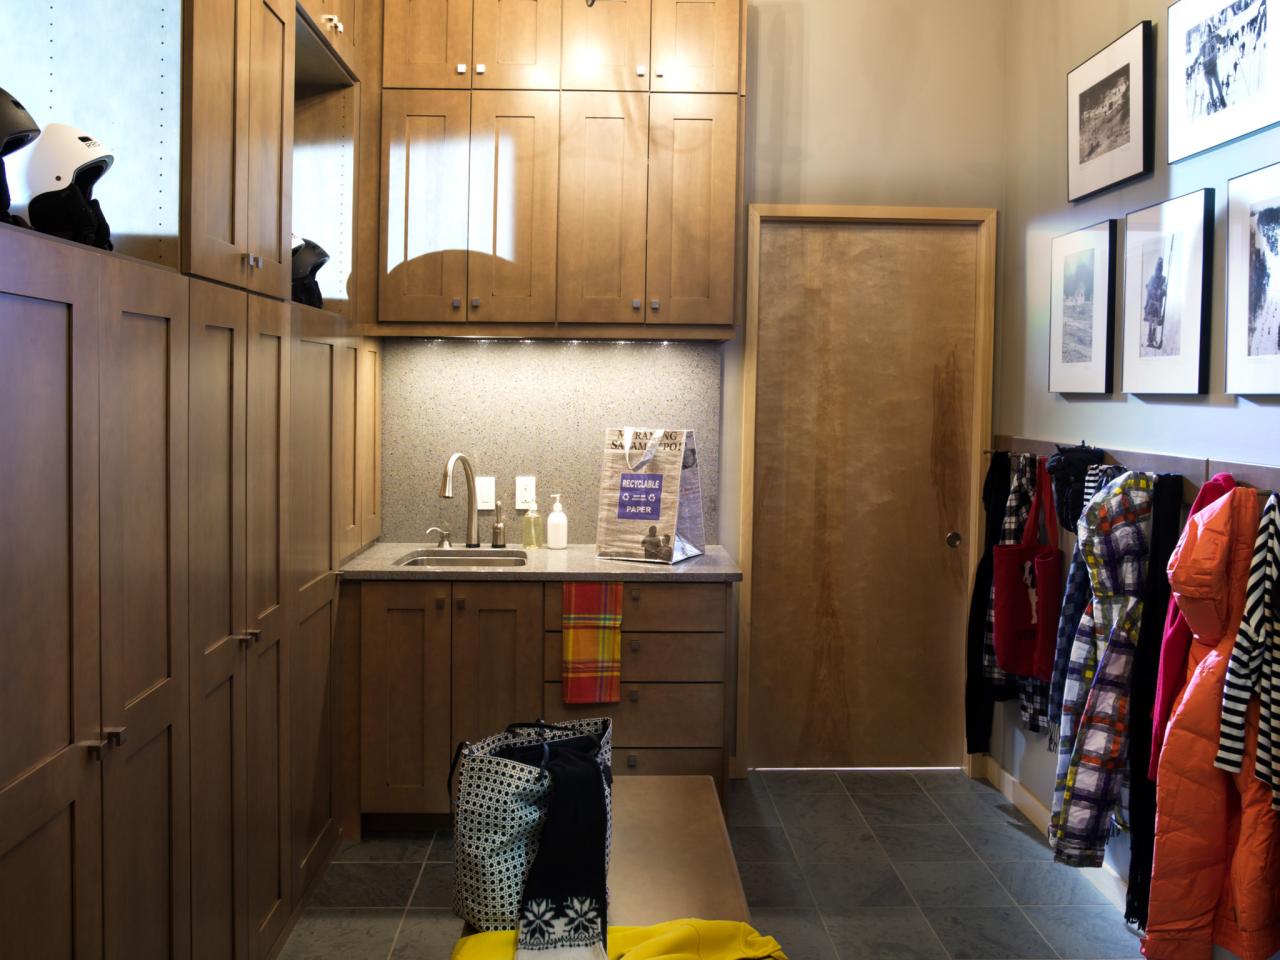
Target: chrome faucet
(446,491)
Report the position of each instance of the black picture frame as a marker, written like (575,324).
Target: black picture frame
(1070,372)
(1101,152)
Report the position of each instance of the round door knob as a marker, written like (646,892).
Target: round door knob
(954,539)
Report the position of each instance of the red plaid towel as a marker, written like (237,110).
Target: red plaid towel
(592,624)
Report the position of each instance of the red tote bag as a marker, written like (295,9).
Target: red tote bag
(1028,590)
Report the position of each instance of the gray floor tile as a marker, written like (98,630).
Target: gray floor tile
(800,933)
(817,808)
(774,885)
(898,808)
(922,842)
(386,848)
(858,782)
(427,935)
(840,887)
(950,781)
(1044,883)
(1010,840)
(748,803)
(342,935)
(435,889)
(1086,933)
(988,933)
(884,933)
(827,828)
(953,884)
(792,783)
(442,847)
(977,806)
(355,885)
(762,844)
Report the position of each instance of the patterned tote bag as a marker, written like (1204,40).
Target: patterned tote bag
(503,793)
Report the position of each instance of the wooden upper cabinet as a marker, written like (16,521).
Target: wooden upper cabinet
(338,22)
(426,43)
(516,45)
(696,46)
(511,270)
(425,136)
(604,144)
(271,43)
(693,165)
(606,46)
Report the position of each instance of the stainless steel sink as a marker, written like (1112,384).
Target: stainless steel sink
(463,557)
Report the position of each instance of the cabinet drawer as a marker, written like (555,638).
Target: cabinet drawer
(654,714)
(629,761)
(650,657)
(667,607)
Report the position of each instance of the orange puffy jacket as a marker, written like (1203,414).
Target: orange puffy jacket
(1216,876)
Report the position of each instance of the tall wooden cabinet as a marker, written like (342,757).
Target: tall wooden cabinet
(427,43)
(606,46)
(516,46)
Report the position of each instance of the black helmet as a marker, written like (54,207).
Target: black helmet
(17,129)
(308,258)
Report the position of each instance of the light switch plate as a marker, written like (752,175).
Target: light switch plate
(526,492)
(486,492)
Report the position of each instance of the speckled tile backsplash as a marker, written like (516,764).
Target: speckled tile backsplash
(532,408)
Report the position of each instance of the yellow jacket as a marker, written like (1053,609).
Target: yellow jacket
(673,940)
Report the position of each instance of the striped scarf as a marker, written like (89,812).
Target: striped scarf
(1255,662)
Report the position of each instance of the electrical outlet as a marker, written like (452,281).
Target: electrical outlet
(486,492)
(526,492)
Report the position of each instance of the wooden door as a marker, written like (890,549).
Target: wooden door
(426,43)
(606,46)
(270,135)
(312,594)
(515,152)
(404,693)
(696,46)
(50,774)
(693,163)
(604,146)
(425,142)
(369,439)
(146,867)
(347,509)
(870,346)
(516,45)
(267,666)
(216,615)
(345,34)
(215,181)
(497,657)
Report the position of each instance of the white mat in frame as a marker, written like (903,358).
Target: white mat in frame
(1253,282)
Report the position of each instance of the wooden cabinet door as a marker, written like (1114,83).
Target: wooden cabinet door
(515,152)
(267,667)
(604,146)
(146,778)
(693,163)
(346,483)
(425,139)
(50,775)
(426,43)
(497,657)
(216,617)
(369,439)
(696,46)
(215,194)
(270,137)
(345,34)
(516,45)
(404,684)
(606,46)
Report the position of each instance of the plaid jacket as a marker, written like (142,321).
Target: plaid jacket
(1115,534)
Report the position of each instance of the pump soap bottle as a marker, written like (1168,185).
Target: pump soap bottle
(557,526)
(531,528)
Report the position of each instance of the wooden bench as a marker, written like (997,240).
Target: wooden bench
(671,855)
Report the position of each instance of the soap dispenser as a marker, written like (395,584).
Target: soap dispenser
(557,526)
(531,528)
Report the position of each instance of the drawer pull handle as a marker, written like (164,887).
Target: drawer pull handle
(461,603)
(635,596)
(635,646)
(633,696)
(439,603)
(632,761)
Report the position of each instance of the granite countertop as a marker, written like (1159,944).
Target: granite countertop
(576,562)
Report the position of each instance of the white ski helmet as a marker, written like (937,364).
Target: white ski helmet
(63,155)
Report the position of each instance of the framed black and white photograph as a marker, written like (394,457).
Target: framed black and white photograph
(1111,115)
(1253,282)
(1224,72)
(1168,254)
(1082,310)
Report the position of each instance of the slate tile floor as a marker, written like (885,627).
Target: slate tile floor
(849,866)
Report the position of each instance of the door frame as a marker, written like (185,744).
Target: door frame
(984,219)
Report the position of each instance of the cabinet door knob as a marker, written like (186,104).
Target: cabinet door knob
(632,761)
(655,305)
(635,646)
(462,68)
(254,635)
(641,70)
(636,304)
(439,603)
(635,595)
(461,603)
(116,736)
(475,303)
(633,696)
(95,748)
(480,68)
(457,303)
(245,640)
(954,539)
